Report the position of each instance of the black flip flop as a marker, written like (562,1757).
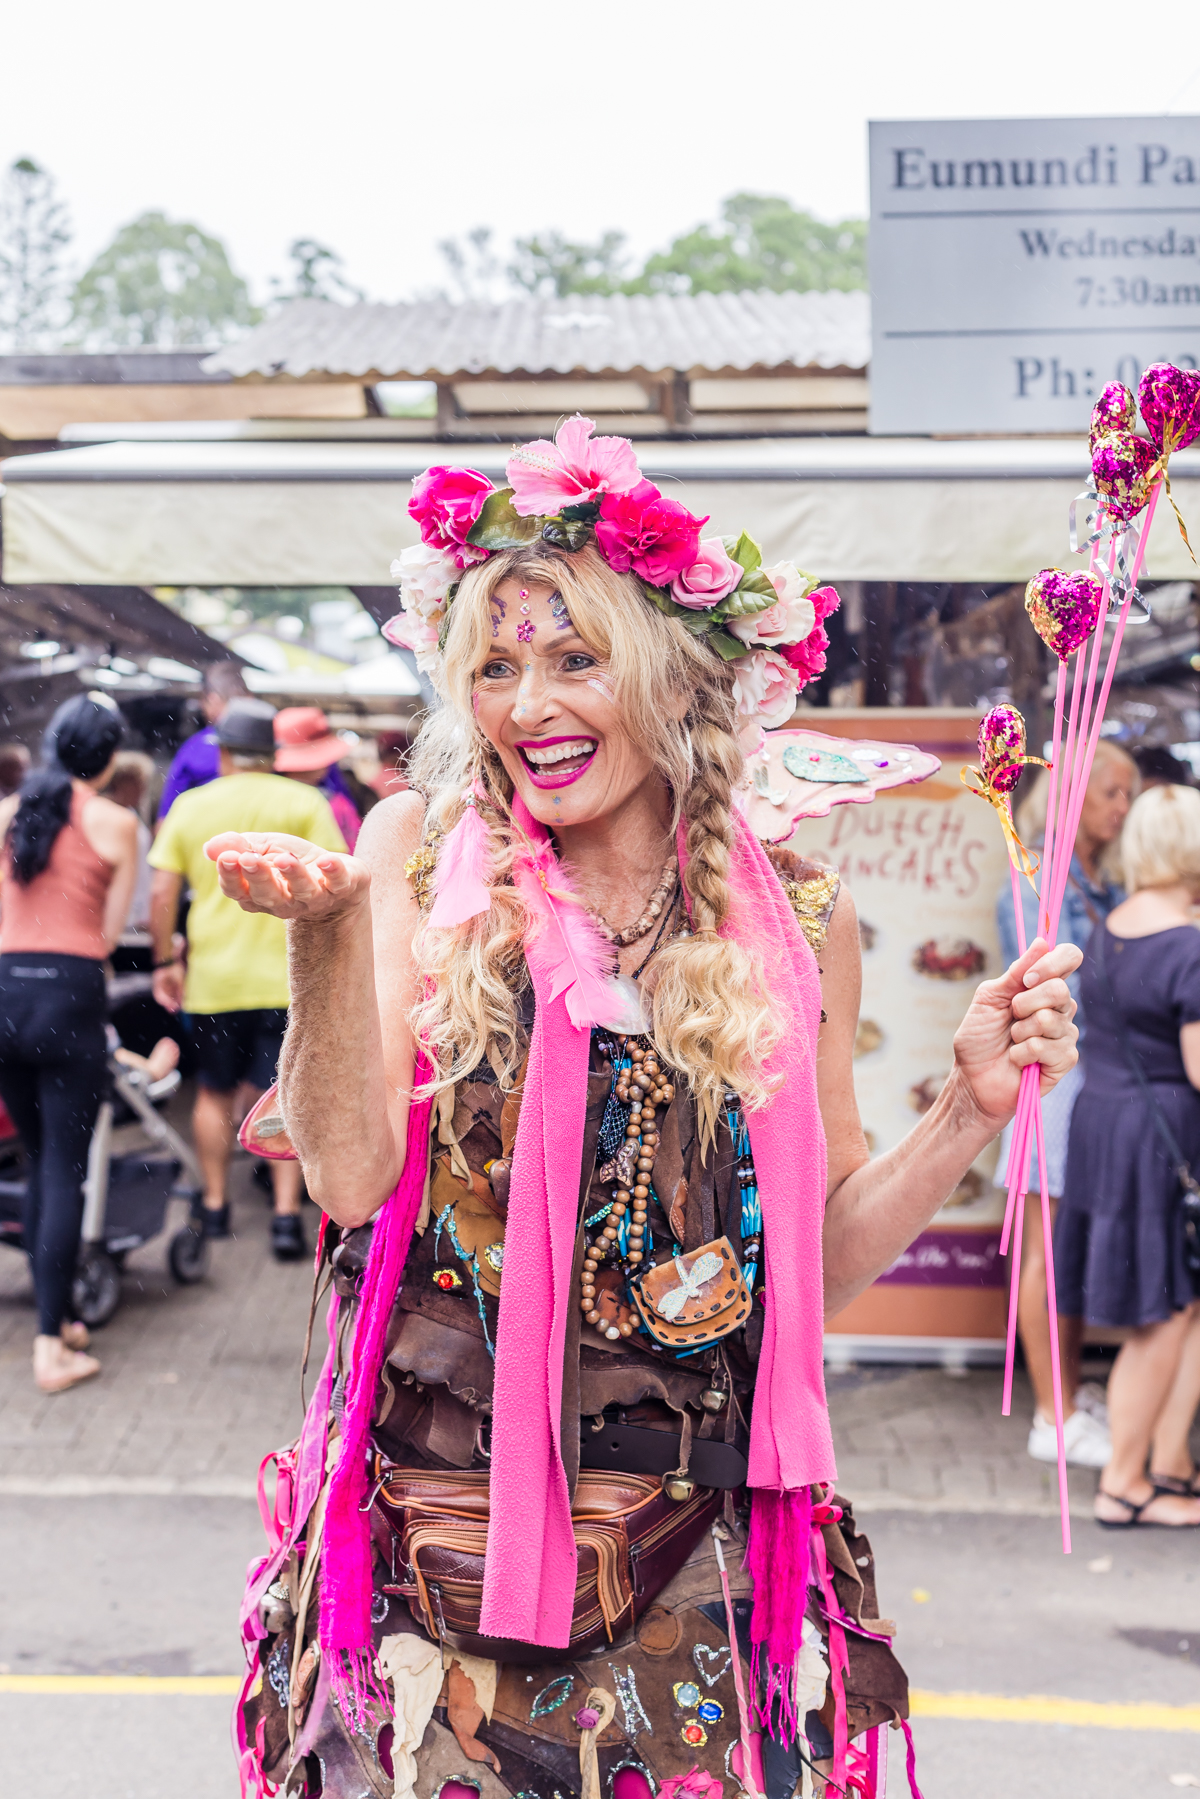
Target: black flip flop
(1176,1485)
(1135,1520)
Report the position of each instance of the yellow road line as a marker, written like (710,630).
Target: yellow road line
(981,1708)
(194,1686)
(1037,1708)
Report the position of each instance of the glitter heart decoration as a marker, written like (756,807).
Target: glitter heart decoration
(1170,402)
(1064,609)
(1122,465)
(1115,410)
(1001,747)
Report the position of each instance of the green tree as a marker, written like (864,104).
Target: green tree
(34,233)
(316,275)
(161,282)
(552,264)
(763,241)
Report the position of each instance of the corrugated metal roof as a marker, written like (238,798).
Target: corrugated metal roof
(593,334)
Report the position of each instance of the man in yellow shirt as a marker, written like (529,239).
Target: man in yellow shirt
(235,989)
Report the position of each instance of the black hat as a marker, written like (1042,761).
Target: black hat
(248,728)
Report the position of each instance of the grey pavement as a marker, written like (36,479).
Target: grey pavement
(127,1518)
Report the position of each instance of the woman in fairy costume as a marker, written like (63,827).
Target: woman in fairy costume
(595,1044)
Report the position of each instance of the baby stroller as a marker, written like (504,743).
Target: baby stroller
(126,1194)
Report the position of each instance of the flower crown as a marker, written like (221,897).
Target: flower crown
(584,489)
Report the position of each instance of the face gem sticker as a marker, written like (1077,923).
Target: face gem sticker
(562,618)
(603,686)
(525,630)
(499,612)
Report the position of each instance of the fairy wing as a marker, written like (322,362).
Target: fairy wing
(804,774)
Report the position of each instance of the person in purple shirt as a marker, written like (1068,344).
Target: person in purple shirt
(197,762)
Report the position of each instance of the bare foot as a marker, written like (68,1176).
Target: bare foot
(76,1335)
(55,1367)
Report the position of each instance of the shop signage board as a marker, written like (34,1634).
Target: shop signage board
(1017,265)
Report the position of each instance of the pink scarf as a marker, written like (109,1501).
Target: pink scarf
(529,1583)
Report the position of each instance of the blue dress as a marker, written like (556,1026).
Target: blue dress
(1118,1241)
(1084,902)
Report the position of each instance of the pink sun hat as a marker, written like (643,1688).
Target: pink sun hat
(304,741)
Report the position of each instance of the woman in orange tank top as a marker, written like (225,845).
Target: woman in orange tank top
(68,866)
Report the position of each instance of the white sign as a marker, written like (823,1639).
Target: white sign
(1019,264)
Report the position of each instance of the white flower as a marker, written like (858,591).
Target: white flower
(425,577)
(409,631)
(765,688)
(789,620)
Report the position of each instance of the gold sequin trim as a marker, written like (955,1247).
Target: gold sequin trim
(812,901)
(419,869)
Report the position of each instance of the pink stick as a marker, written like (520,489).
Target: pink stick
(1060,694)
(1014,1294)
(1111,669)
(1010,1348)
(1056,1371)
(1019,1162)
(1065,850)
(1020,1141)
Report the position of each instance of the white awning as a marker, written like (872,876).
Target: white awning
(257,514)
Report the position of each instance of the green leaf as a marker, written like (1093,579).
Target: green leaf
(754,595)
(568,533)
(744,551)
(585,511)
(499,527)
(728,647)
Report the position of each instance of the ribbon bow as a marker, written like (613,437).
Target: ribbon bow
(1022,859)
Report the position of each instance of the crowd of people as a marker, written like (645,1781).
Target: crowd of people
(114,939)
(1122,1139)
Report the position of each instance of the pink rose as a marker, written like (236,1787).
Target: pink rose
(546,476)
(765,688)
(710,578)
(639,530)
(426,577)
(445,503)
(808,657)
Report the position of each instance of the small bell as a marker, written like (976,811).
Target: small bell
(678,1487)
(713,1399)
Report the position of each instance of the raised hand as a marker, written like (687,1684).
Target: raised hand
(287,877)
(1026,1015)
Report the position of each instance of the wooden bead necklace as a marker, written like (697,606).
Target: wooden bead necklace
(653,909)
(644,1088)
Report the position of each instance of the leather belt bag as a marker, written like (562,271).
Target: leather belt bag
(631,1540)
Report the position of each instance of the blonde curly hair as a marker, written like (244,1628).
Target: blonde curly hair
(712,1021)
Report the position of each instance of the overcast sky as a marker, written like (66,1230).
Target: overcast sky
(380,126)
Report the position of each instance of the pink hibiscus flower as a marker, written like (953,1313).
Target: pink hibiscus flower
(642,531)
(808,656)
(445,503)
(547,476)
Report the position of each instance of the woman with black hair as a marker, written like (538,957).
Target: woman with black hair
(68,864)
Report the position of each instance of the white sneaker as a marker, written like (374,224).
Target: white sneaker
(1092,1399)
(1087,1442)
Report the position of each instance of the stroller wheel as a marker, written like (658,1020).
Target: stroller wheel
(188,1255)
(96,1292)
